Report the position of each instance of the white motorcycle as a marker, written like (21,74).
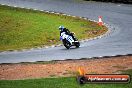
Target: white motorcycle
(68,41)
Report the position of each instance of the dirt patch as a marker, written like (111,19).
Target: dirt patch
(65,68)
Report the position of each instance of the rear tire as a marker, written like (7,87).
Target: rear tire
(77,44)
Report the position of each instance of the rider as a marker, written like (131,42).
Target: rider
(63,29)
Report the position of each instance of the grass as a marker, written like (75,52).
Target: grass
(22,28)
(65,82)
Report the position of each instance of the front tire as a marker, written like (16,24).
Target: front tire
(66,44)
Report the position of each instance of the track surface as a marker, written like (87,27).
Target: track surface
(118,16)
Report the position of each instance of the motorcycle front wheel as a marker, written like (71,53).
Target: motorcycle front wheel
(67,44)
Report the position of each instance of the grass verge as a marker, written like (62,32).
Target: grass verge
(64,82)
(22,28)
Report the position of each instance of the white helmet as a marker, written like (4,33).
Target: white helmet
(61,27)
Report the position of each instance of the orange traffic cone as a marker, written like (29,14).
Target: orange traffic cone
(100,21)
(81,71)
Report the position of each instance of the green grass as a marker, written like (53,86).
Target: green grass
(22,28)
(65,82)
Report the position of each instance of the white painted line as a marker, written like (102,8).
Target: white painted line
(123,54)
(57,13)
(14,6)
(46,47)
(113,55)
(22,7)
(100,36)
(3,52)
(85,18)
(73,16)
(64,14)
(2,4)
(35,9)
(29,8)
(23,50)
(52,46)
(38,47)
(15,51)
(42,10)
(8,5)
(47,11)
(91,20)
(58,45)
(52,12)
(100,56)
(68,15)
(32,49)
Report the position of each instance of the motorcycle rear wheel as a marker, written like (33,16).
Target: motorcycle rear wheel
(77,45)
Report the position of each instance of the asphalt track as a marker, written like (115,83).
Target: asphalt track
(118,42)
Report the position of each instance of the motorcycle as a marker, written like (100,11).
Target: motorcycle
(68,41)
